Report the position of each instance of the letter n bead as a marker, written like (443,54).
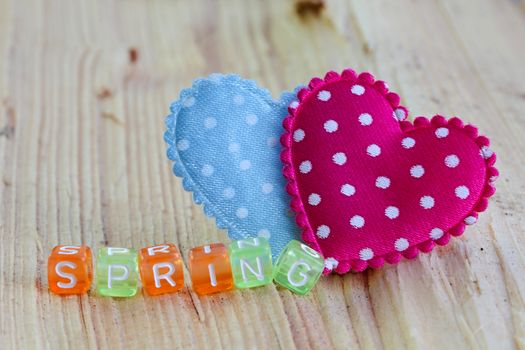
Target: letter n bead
(117,272)
(210,269)
(298,267)
(251,261)
(70,269)
(161,269)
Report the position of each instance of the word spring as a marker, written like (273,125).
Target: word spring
(246,263)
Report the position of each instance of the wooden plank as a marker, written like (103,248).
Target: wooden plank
(84,87)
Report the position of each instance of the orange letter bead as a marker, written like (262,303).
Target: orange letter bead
(70,269)
(161,269)
(210,269)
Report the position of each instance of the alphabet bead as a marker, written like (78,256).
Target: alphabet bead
(246,263)
(70,269)
(298,267)
(117,272)
(161,269)
(251,261)
(210,269)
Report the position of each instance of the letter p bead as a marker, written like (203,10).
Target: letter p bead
(117,272)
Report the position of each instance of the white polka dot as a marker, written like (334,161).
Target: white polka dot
(238,100)
(266,108)
(183,145)
(462,192)
(373,150)
(271,142)
(470,220)
(427,202)
(294,104)
(451,161)
(210,123)
(348,190)
(330,263)
(382,182)
(400,114)
(251,119)
(436,233)
(408,142)
(357,221)
(305,167)
(441,133)
(391,212)
(189,101)
(264,233)
(330,126)
(314,199)
(358,90)
(486,152)
(401,244)
(242,213)
(207,170)
(323,231)
(215,77)
(267,188)
(365,119)
(228,193)
(417,171)
(234,147)
(366,254)
(324,95)
(339,158)
(298,135)
(245,164)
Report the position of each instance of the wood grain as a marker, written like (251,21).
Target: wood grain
(84,87)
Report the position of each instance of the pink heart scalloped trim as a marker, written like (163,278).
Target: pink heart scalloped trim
(369,187)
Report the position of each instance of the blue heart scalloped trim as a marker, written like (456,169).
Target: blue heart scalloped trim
(223,136)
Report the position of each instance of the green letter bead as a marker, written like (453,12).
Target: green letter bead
(298,267)
(117,272)
(251,261)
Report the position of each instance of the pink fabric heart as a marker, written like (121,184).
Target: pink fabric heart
(369,187)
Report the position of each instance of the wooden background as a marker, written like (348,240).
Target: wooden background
(85,86)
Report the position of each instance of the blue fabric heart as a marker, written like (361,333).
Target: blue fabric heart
(223,135)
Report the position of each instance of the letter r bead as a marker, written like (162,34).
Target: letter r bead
(70,269)
(161,269)
(298,267)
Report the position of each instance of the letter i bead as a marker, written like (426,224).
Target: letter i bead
(251,261)
(298,267)
(210,269)
(161,269)
(117,272)
(70,269)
